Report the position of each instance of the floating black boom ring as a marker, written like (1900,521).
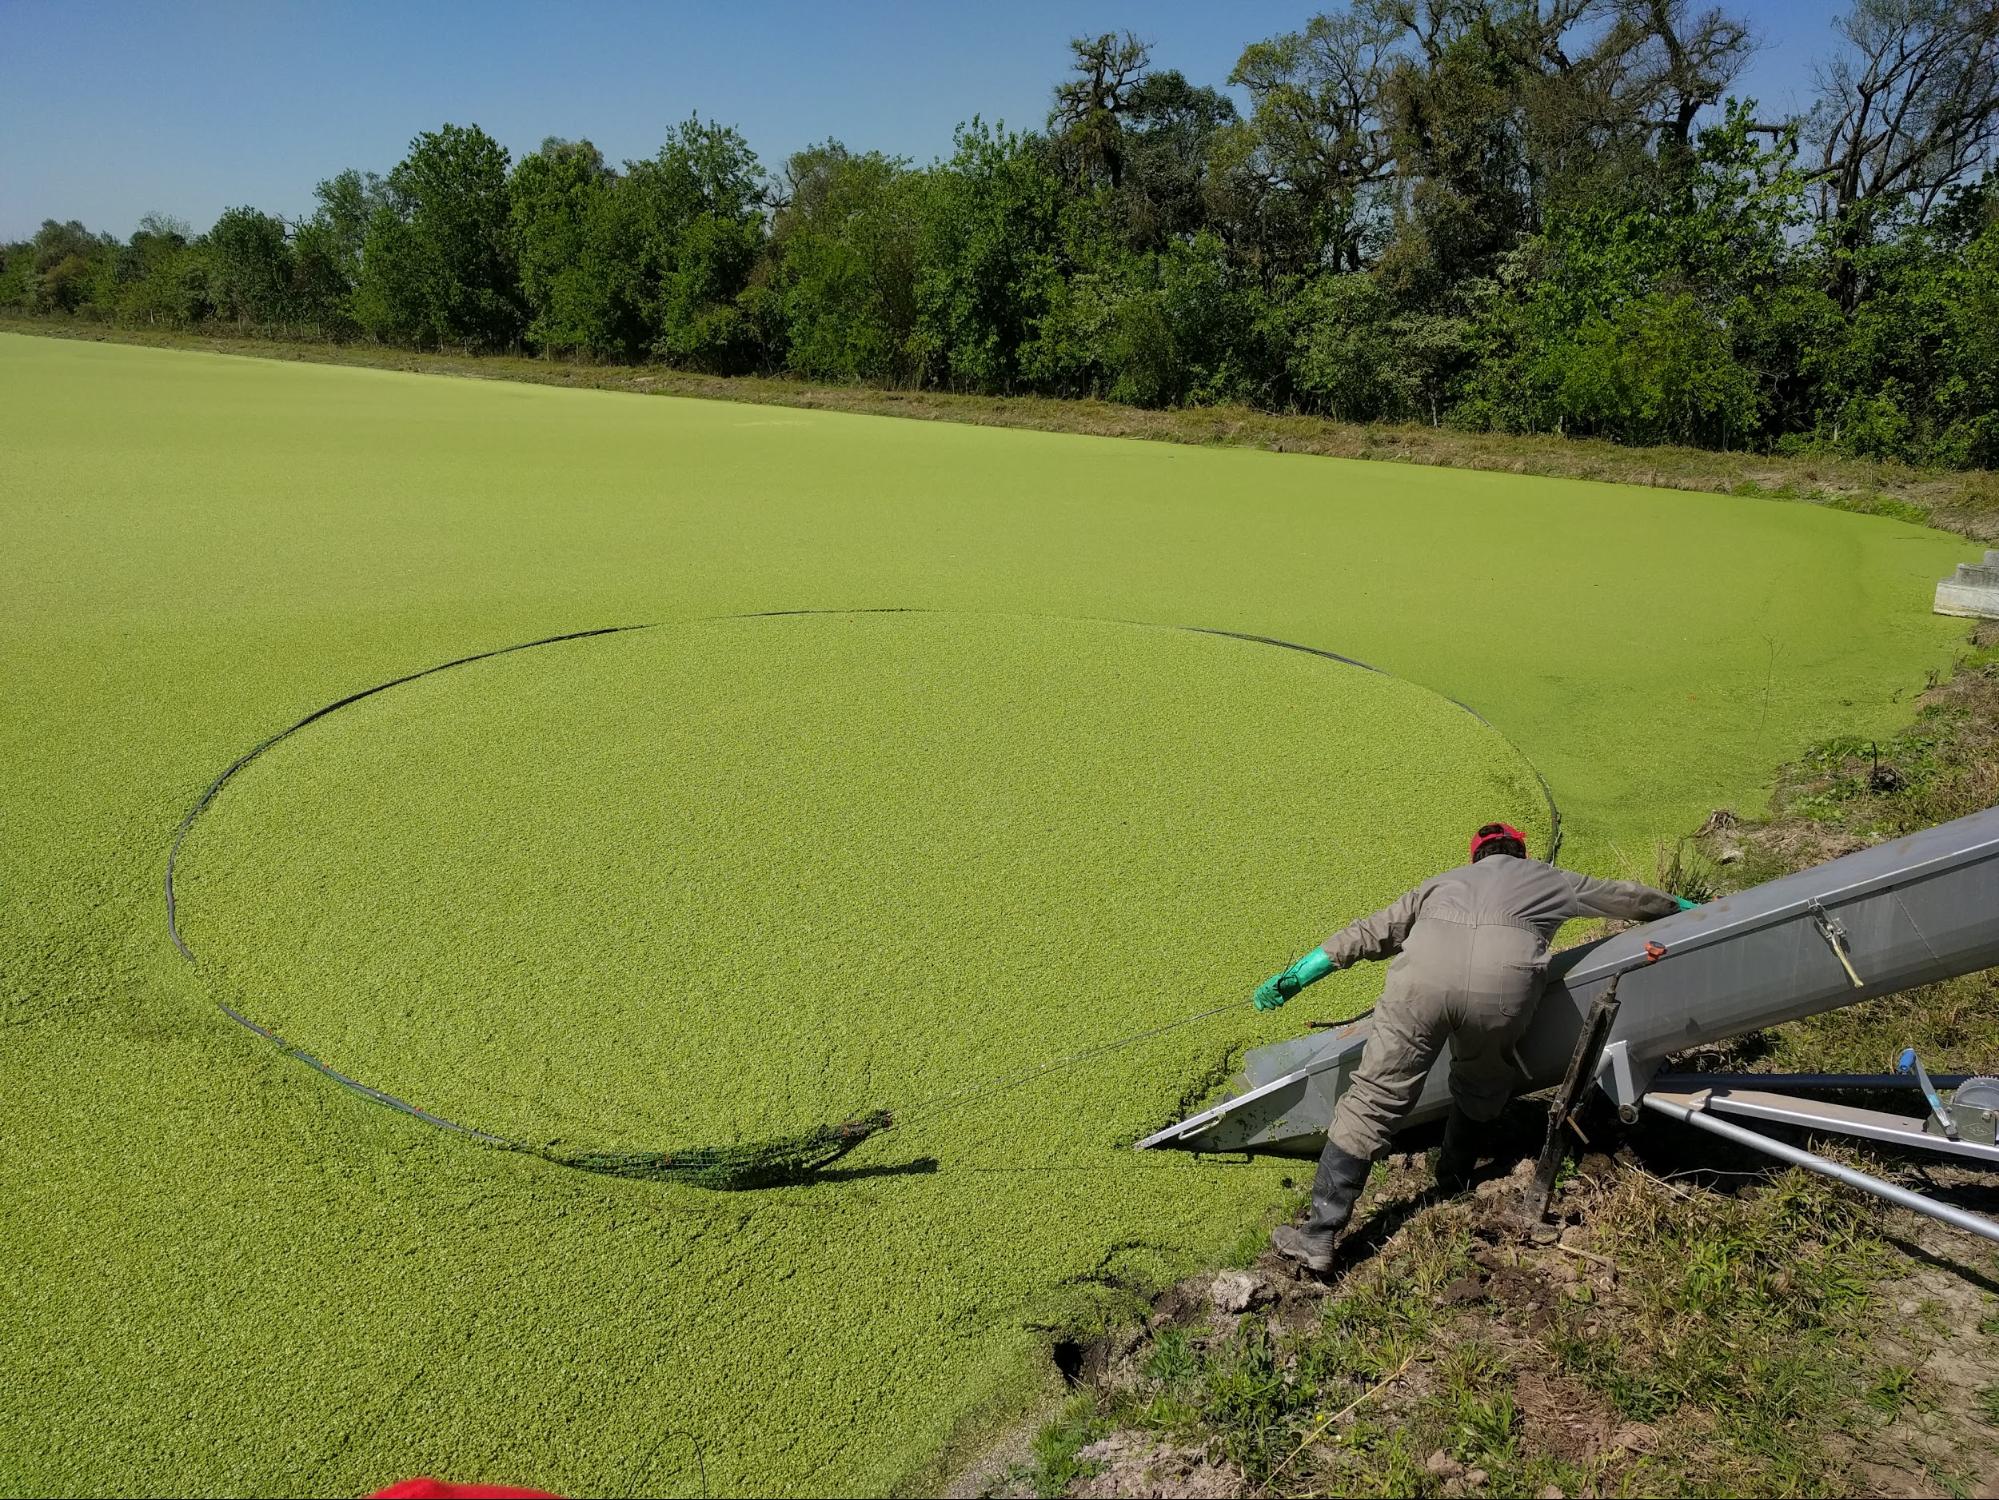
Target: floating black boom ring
(706,1166)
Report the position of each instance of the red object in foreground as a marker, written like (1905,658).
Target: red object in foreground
(437,1489)
(1506,831)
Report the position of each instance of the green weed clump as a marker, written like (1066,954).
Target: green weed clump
(1056,1446)
(740,1168)
(226,1275)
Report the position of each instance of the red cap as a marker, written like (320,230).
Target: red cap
(1506,831)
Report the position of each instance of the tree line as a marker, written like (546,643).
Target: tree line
(1508,215)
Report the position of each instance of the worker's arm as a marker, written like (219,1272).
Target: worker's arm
(1378,936)
(1626,900)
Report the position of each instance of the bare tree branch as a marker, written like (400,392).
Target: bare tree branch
(1908,110)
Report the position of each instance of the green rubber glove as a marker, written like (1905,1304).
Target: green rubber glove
(1685,904)
(1278,988)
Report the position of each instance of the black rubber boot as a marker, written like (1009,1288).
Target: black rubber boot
(1334,1192)
(1459,1157)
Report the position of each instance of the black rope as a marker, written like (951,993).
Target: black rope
(292,1050)
(938,1104)
(215,786)
(763,1163)
(1547,792)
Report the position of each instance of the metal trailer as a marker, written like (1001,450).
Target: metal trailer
(1910,912)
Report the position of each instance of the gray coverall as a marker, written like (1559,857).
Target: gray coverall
(1471,956)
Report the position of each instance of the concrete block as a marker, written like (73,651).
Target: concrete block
(1978,601)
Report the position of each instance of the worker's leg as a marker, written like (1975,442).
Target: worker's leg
(1405,1034)
(1407,1029)
(1503,985)
(1335,1186)
(1335,1189)
(1458,1158)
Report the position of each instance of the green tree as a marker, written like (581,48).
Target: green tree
(249,261)
(1447,128)
(17,261)
(845,248)
(1345,360)
(1196,340)
(1642,316)
(1968,395)
(1086,127)
(161,277)
(1170,128)
(988,264)
(553,197)
(437,265)
(1182,325)
(326,251)
(1908,371)
(1318,130)
(693,218)
(1661,369)
(348,203)
(71,270)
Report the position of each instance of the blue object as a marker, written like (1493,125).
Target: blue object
(1685,904)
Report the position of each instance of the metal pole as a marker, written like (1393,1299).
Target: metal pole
(1694,1083)
(1960,1218)
(1582,1071)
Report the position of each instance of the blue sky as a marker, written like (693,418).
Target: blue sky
(110,110)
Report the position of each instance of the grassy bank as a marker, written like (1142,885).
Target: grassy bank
(1966,502)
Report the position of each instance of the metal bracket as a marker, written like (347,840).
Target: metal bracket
(1623,1080)
(1691,1083)
(1823,1117)
(1834,932)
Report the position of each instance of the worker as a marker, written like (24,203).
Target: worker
(1471,956)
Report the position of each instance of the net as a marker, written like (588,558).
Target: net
(748,1164)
